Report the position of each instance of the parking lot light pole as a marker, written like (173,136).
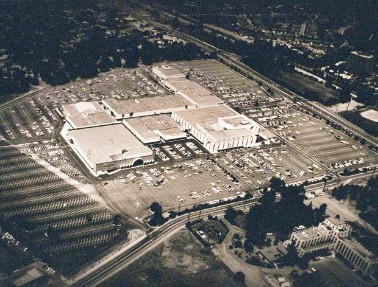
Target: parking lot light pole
(373,172)
(325,183)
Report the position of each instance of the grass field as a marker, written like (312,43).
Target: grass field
(337,274)
(300,83)
(179,262)
(367,125)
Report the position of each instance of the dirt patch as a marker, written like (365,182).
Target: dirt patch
(182,261)
(370,115)
(176,254)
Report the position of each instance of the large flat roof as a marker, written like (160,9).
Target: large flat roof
(146,104)
(86,114)
(169,70)
(145,127)
(208,121)
(311,232)
(194,92)
(108,143)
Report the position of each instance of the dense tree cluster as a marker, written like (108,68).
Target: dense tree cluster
(239,276)
(366,198)
(231,215)
(307,279)
(59,45)
(280,216)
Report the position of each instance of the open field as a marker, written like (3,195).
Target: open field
(370,115)
(303,84)
(178,262)
(66,225)
(225,83)
(368,125)
(172,185)
(337,274)
(313,136)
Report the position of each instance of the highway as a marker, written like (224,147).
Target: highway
(108,268)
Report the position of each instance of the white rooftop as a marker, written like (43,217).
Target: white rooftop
(108,143)
(169,70)
(86,114)
(211,120)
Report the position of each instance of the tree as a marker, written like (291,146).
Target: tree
(239,276)
(268,198)
(157,218)
(344,95)
(248,246)
(238,244)
(277,184)
(89,218)
(321,213)
(340,192)
(117,219)
(156,207)
(231,215)
(256,224)
(291,258)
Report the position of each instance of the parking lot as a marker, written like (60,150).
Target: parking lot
(175,186)
(35,117)
(27,119)
(118,83)
(317,139)
(178,150)
(55,153)
(257,166)
(225,83)
(64,225)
